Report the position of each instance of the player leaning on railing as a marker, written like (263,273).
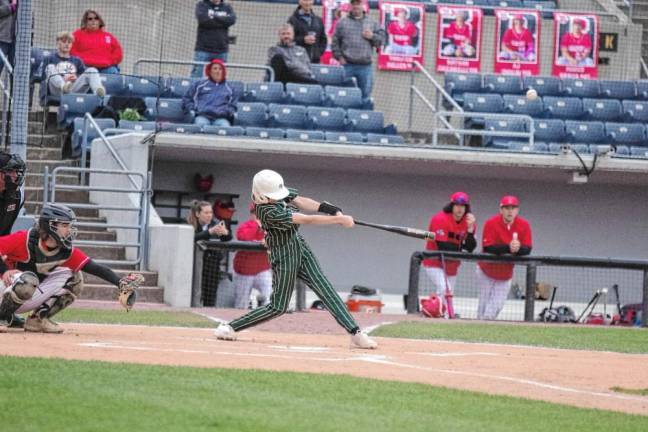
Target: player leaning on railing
(41,271)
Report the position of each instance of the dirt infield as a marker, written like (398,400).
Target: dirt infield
(311,342)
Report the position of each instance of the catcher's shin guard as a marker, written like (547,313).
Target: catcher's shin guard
(21,290)
(56,304)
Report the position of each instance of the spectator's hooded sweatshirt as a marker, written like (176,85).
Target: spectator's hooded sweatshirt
(210,98)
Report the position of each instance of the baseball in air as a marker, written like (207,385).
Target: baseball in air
(531,94)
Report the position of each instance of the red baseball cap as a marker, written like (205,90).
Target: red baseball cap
(581,22)
(518,17)
(509,200)
(460,198)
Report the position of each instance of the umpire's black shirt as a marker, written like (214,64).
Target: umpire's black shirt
(9,208)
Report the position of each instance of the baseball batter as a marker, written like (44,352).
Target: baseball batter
(454,230)
(505,233)
(291,257)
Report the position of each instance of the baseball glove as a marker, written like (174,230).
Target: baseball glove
(128,286)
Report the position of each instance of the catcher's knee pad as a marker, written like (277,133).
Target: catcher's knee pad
(21,290)
(75,283)
(55,304)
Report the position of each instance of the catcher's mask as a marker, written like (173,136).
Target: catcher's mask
(9,164)
(52,217)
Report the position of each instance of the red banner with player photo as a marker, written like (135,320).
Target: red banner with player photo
(332,12)
(459,35)
(516,42)
(576,45)
(404,24)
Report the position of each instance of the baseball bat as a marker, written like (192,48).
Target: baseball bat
(448,293)
(406,231)
(615,287)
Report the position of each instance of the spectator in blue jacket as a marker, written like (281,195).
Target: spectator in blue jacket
(212,99)
(215,17)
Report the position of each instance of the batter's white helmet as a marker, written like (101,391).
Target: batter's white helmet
(266,185)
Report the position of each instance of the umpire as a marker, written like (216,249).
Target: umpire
(12,175)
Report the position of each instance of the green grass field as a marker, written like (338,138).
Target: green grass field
(74,396)
(139,317)
(618,339)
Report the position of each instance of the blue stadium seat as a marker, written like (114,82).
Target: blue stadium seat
(517,104)
(344,137)
(36,62)
(635,111)
(602,109)
(137,125)
(583,88)
(506,3)
(504,84)
(77,133)
(145,86)
(557,148)
(563,107)
(266,133)
(580,148)
(641,152)
(484,103)
(304,135)
(385,139)
(526,147)
(176,87)
(167,110)
(238,87)
(544,85)
(76,105)
(251,114)
(585,132)
(618,89)
(331,119)
(513,125)
(642,89)
(549,130)
(266,92)
(622,150)
(366,121)
(287,116)
(331,75)
(305,94)
(627,133)
(345,97)
(456,84)
(183,128)
(114,84)
(546,8)
(224,130)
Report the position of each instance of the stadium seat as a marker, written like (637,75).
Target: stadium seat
(457,84)
(549,130)
(76,105)
(36,59)
(144,86)
(517,104)
(635,111)
(505,3)
(503,84)
(627,133)
(166,110)
(618,89)
(266,92)
(546,8)
(188,128)
(266,133)
(526,147)
(585,132)
(639,152)
(582,88)
(327,119)
(344,137)
(77,133)
(642,89)
(345,97)
(622,150)
(545,86)
(287,116)
(563,107)
(251,114)
(513,125)
(224,130)
(602,109)
(177,87)
(305,94)
(304,135)
(580,148)
(137,125)
(366,121)
(385,139)
(484,103)
(331,75)
(238,87)
(114,84)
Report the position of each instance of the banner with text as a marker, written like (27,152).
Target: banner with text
(516,42)
(459,34)
(576,45)
(404,24)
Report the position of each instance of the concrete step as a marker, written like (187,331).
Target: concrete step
(104,252)
(96,235)
(48,140)
(36,179)
(35,193)
(150,278)
(34,208)
(38,166)
(91,220)
(109,292)
(44,153)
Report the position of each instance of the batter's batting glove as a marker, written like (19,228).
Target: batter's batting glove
(128,286)
(328,208)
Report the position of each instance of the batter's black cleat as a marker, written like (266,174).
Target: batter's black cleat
(17,322)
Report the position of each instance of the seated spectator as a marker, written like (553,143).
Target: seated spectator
(95,46)
(65,73)
(251,268)
(212,99)
(289,61)
(206,227)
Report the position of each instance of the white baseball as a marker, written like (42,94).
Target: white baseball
(531,94)
(604,290)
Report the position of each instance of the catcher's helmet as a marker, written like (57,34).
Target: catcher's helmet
(12,162)
(433,307)
(267,185)
(53,214)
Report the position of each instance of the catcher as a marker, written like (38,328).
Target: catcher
(41,271)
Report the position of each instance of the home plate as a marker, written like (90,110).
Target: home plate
(301,349)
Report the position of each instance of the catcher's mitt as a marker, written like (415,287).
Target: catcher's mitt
(128,286)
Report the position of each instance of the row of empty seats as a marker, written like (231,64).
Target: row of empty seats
(556,148)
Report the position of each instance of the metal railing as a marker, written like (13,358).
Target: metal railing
(265,68)
(532,265)
(644,67)
(5,86)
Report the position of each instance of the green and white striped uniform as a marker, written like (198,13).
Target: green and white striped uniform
(291,258)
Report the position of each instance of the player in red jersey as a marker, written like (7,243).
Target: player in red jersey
(454,229)
(505,233)
(576,46)
(517,42)
(459,34)
(401,33)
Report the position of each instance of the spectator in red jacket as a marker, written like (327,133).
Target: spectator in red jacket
(251,268)
(95,46)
